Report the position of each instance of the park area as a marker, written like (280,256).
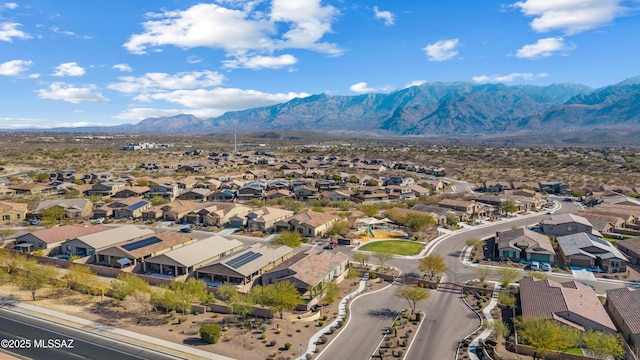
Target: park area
(394,247)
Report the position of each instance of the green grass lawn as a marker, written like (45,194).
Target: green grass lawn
(396,247)
(576,351)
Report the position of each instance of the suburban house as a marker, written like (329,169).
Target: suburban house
(304,193)
(623,305)
(587,250)
(49,240)
(87,245)
(73,208)
(197,194)
(473,209)
(132,191)
(603,224)
(631,249)
(370,195)
(438,213)
(400,193)
(165,191)
(336,196)
(264,219)
(217,214)
(177,210)
(222,195)
(32,189)
(131,207)
(309,223)
(496,186)
(524,244)
(250,191)
(133,210)
(106,188)
(136,251)
(6,193)
(310,271)
(565,224)
(278,194)
(403,181)
(243,268)
(12,212)
(152,214)
(571,303)
(554,187)
(185,260)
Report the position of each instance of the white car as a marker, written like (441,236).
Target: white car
(545,267)
(535,266)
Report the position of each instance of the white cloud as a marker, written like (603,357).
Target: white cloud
(9,31)
(194,59)
(10,5)
(570,16)
(261,62)
(387,16)
(154,82)
(415,83)
(543,48)
(509,77)
(442,50)
(69,69)
(34,76)
(14,67)
(69,93)
(220,100)
(361,87)
(122,67)
(297,24)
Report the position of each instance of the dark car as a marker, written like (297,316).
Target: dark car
(185,230)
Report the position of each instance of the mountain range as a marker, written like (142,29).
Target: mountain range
(431,109)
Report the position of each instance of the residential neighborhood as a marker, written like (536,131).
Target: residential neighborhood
(252,221)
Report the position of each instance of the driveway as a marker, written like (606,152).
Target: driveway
(369,315)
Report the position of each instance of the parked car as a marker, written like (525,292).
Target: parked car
(35,221)
(545,267)
(331,245)
(185,230)
(535,266)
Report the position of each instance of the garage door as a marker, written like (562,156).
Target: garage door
(580,262)
(540,257)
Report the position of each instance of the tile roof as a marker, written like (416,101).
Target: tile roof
(566,218)
(588,245)
(65,232)
(520,238)
(570,302)
(317,265)
(627,302)
(167,240)
(313,218)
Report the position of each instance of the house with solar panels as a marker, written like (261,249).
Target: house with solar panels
(89,245)
(134,252)
(185,260)
(245,267)
(587,250)
(133,211)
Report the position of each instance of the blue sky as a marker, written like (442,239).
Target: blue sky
(78,62)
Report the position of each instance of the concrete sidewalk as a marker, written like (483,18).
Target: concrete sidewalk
(125,336)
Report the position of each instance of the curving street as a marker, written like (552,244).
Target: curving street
(448,320)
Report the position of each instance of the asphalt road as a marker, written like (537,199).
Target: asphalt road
(25,332)
(370,314)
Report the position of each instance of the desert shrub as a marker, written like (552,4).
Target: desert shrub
(287,346)
(210,333)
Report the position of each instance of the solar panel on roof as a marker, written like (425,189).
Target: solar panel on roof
(243,259)
(600,241)
(142,243)
(137,205)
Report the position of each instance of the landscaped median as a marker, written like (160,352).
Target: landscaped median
(395,247)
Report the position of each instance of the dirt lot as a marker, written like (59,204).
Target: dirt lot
(235,341)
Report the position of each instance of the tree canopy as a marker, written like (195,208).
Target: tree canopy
(413,295)
(281,296)
(432,265)
(289,238)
